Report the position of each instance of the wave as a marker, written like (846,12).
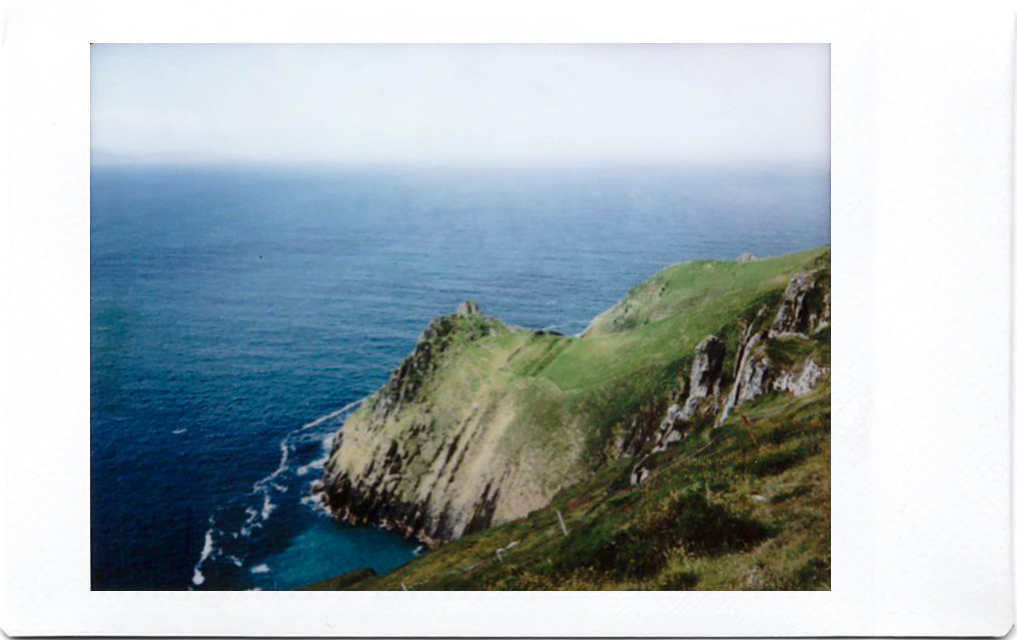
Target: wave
(259,505)
(319,463)
(206,552)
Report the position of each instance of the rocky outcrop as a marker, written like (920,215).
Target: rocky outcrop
(468,308)
(804,308)
(800,382)
(439,451)
(752,376)
(702,388)
(640,474)
(483,423)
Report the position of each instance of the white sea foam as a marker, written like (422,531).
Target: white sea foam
(206,552)
(267,507)
(255,518)
(209,545)
(316,464)
(316,502)
(177,432)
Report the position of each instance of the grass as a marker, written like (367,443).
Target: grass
(724,510)
(743,506)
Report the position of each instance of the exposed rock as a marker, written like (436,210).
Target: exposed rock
(704,383)
(443,450)
(406,380)
(824,317)
(469,308)
(640,474)
(801,382)
(707,365)
(746,257)
(752,376)
(630,436)
(804,307)
(423,458)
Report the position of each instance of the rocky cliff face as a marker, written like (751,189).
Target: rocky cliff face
(803,311)
(699,396)
(432,453)
(484,423)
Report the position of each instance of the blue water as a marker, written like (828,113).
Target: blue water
(235,309)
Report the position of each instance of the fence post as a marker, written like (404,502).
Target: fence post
(561,521)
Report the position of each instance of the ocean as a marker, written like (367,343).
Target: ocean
(239,313)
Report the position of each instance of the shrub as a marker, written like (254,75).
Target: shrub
(701,526)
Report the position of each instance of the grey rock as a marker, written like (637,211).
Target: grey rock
(802,382)
(469,308)
(746,257)
(706,369)
(640,474)
(804,308)
(704,382)
(752,377)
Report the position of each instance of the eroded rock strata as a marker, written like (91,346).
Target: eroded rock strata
(484,423)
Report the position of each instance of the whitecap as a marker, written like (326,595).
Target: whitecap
(177,432)
(209,546)
(316,502)
(316,464)
(206,552)
(279,480)
(261,568)
(267,507)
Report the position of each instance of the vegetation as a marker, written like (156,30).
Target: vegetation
(740,505)
(737,507)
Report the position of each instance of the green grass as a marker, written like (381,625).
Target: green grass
(727,509)
(735,507)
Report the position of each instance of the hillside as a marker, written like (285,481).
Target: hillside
(688,427)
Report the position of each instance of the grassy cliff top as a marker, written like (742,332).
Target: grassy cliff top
(484,409)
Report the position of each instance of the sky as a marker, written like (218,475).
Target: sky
(456,104)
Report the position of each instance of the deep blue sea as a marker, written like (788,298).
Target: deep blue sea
(236,310)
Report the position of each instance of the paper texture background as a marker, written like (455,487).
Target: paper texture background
(922,147)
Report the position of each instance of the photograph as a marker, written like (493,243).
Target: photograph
(430,317)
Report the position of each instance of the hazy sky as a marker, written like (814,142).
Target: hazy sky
(461,103)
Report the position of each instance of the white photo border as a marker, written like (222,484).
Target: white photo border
(921,193)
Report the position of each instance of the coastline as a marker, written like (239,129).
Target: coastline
(419,452)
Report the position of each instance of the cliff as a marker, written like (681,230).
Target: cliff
(485,424)
(462,435)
